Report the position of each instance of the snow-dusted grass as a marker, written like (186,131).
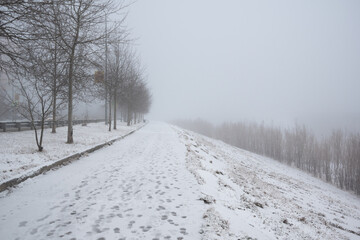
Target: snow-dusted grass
(254,197)
(19,155)
(168,183)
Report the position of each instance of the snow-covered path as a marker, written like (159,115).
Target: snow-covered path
(164,182)
(138,188)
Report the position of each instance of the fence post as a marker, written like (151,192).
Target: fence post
(18,126)
(3,126)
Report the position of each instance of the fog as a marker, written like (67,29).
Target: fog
(272,61)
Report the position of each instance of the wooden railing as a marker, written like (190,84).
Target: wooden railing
(26,125)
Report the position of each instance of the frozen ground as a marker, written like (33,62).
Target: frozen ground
(137,188)
(253,197)
(166,183)
(19,155)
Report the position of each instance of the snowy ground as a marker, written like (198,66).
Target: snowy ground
(19,155)
(166,183)
(137,188)
(253,197)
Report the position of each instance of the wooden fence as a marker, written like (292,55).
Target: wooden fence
(26,125)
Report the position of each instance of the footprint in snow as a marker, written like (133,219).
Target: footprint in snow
(22,224)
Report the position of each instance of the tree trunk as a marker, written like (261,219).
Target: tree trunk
(115,109)
(70,103)
(109,112)
(54,111)
(36,135)
(128,115)
(106,76)
(41,134)
(54,88)
(106,104)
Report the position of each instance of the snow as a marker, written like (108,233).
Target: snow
(137,188)
(19,155)
(254,197)
(163,182)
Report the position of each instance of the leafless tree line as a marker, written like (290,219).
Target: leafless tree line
(335,158)
(125,85)
(50,50)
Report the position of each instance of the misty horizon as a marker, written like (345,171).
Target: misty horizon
(279,62)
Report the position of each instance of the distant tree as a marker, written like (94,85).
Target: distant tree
(119,66)
(131,87)
(336,158)
(142,102)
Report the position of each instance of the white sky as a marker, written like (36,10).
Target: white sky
(277,61)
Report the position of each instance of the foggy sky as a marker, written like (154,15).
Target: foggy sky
(277,61)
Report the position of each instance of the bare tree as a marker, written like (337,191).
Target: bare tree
(132,81)
(126,85)
(80,30)
(119,69)
(30,22)
(12,14)
(49,27)
(45,24)
(31,81)
(142,101)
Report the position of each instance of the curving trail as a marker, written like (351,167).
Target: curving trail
(138,188)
